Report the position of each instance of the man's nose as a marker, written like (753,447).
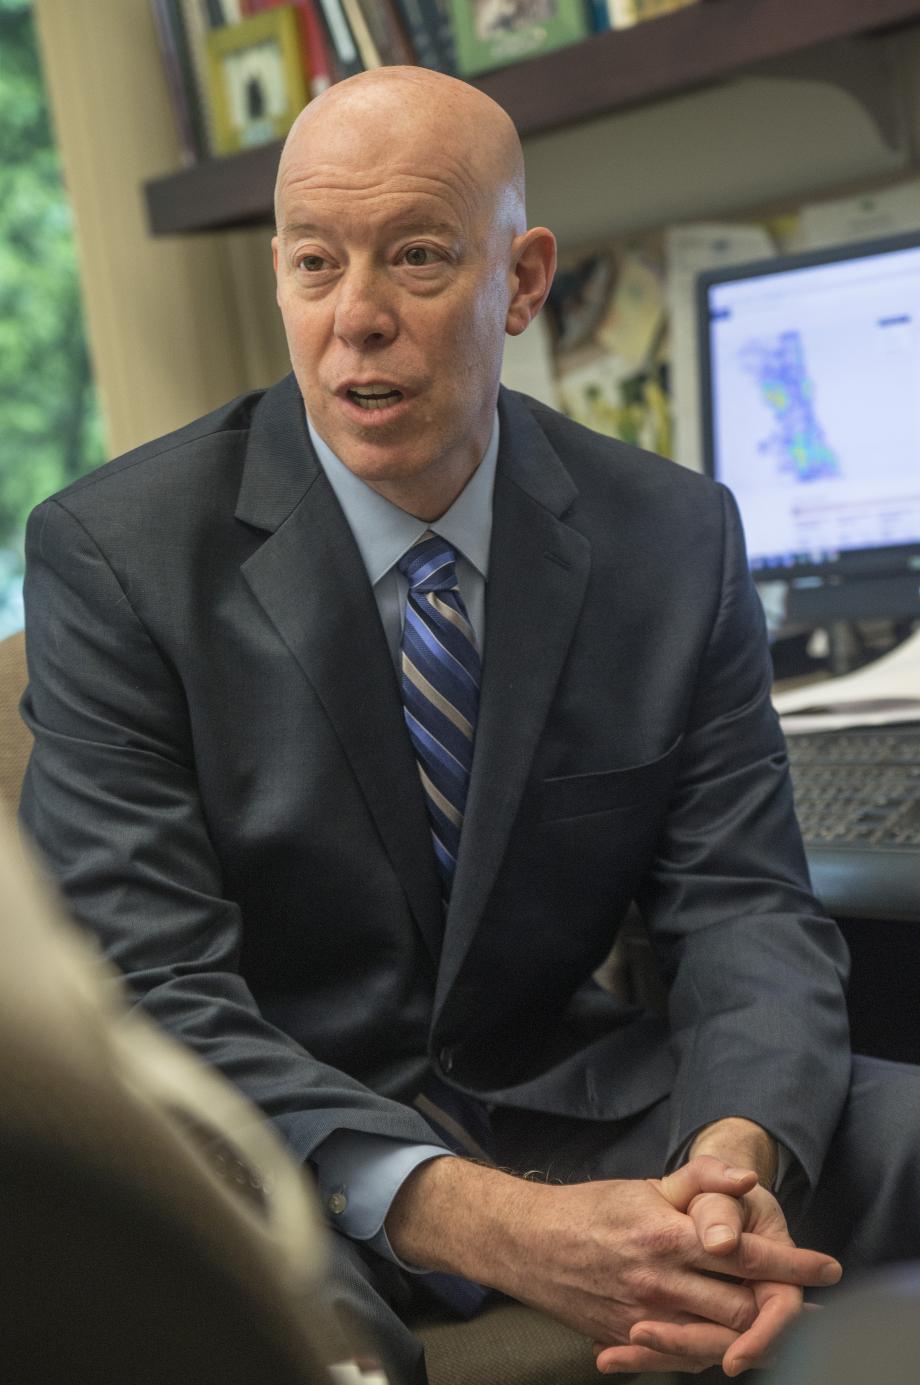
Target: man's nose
(364,312)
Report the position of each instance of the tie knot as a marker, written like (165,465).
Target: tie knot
(429,564)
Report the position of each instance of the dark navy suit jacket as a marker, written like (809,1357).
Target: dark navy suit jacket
(224,787)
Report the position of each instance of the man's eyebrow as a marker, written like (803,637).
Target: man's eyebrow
(400,221)
(297,228)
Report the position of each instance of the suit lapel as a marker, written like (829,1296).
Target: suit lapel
(538,571)
(309,579)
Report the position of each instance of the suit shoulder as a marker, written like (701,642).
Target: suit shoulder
(593,459)
(214,437)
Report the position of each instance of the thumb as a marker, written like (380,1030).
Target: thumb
(705,1174)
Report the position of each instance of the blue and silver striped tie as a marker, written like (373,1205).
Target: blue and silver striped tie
(440,688)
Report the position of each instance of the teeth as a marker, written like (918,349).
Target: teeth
(375,399)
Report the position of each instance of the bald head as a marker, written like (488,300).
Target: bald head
(402,260)
(443,124)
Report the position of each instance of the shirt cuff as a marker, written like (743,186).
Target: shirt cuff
(359,1175)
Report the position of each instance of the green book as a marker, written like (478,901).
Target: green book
(494,33)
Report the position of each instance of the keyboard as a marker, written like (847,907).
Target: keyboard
(857,798)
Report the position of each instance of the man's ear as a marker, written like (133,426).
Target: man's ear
(532,268)
(276,255)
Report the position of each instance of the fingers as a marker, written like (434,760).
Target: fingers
(719,1221)
(630,1359)
(697,1341)
(682,1295)
(778,1308)
(700,1341)
(758,1257)
(705,1174)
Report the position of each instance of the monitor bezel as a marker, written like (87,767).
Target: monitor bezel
(891,560)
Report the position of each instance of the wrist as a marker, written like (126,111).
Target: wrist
(458,1217)
(741,1142)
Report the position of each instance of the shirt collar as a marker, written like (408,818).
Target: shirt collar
(383,532)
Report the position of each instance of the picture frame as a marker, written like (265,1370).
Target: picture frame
(495,33)
(256,82)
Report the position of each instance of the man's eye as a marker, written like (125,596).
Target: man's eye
(311,263)
(419,255)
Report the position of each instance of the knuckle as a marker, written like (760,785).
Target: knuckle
(750,1255)
(742,1315)
(665,1239)
(645,1286)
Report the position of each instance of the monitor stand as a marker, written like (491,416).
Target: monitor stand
(835,604)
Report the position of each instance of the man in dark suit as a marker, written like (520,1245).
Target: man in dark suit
(386,933)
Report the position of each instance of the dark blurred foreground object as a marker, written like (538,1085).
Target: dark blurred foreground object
(866,1335)
(128,1260)
(153,1229)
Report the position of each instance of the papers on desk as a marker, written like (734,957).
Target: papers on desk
(882,693)
(350,1373)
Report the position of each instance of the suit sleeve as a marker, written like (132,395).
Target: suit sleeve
(111,799)
(756,972)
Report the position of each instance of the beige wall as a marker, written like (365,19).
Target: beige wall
(168,319)
(178,324)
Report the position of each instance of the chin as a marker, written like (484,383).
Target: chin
(376,464)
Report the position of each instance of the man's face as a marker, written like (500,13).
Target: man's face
(394,278)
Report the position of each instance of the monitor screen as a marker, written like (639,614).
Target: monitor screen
(811,408)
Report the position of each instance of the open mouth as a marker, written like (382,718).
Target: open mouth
(375,398)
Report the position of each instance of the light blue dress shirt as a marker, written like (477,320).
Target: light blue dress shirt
(360,1174)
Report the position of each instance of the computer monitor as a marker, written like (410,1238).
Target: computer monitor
(810,369)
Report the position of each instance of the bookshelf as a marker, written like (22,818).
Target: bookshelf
(695,47)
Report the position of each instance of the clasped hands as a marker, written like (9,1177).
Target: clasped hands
(728,1225)
(662,1274)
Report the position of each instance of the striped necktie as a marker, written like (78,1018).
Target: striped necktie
(440,689)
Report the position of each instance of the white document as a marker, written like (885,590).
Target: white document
(883,693)
(690,250)
(887,212)
(350,1373)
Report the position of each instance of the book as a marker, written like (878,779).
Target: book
(185,97)
(489,35)
(194,15)
(422,23)
(342,40)
(444,32)
(624,13)
(318,61)
(221,12)
(364,39)
(385,25)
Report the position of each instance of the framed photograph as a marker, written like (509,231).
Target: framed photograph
(494,33)
(256,80)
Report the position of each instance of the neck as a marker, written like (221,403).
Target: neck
(424,496)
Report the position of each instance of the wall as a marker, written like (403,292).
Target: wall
(178,324)
(169,326)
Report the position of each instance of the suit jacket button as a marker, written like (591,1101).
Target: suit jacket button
(446,1059)
(337,1202)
